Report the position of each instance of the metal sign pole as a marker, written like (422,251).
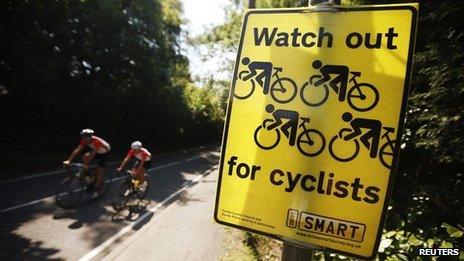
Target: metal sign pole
(294,253)
(251,4)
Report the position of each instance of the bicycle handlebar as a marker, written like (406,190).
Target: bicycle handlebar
(355,74)
(388,131)
(304,121)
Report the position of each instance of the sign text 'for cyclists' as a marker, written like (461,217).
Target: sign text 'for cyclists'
(314,122)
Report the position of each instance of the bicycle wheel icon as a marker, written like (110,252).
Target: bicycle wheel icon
(314,96)
(363,97)
(386,153)
(310,142)
(266,139)
(283,90)
(246,87)
(342,150)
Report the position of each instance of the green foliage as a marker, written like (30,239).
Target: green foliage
(114,66)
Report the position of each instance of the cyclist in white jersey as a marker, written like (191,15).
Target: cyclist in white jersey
(143,161)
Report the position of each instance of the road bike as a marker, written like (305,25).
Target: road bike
(127,191)
(77,182)
(345,151)
(310,142)
(282,89)
(360,96)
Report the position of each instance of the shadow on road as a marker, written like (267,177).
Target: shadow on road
(93,222)
(132,212)
(14,246)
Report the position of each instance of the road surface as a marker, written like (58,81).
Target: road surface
(176,223)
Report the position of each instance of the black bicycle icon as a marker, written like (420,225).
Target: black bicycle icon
(345,151)
(310,142)
(361,96)
(283,89)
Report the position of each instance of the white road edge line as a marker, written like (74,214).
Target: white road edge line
(194,158)
(26,204)
(109,163)
(50,197)
(94,252)
(32,176)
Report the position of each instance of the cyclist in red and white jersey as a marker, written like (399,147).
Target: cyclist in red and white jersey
(143,161)
(94,148)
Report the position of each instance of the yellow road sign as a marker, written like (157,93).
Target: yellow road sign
(314,122)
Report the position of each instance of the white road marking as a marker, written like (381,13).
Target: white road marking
(62,171)
(50,197)
(194,158)
(26,204)
(32,176)
(94,252)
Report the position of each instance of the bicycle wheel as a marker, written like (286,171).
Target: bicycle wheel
(314,96)
(311,142)
(69,192)
(244,93)
(122,194)
(386,153)
(283,90)
(266,139)
(343,150)
(363,97)
(143,194)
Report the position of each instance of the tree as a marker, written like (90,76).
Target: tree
(114,66)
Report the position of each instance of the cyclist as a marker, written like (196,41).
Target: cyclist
(374,127)
(292,123)
(95,148)
(264,78)
(341,79)
(143,162)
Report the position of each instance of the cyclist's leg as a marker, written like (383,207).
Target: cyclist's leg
(373,146)
(101,163)
(290,134)
(86,159)
(134,168)
(260,79)
(338,84)
(146,166)
(267,74)
(139,174)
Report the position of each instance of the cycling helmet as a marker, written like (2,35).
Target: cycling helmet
(136,145)
(87,132)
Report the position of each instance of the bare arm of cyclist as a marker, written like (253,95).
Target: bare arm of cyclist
(250,75)
(325,76)
(73,155)
(123,163)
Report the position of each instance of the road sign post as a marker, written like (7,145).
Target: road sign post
(314,122)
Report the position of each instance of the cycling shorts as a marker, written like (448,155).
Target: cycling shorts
(146,165)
